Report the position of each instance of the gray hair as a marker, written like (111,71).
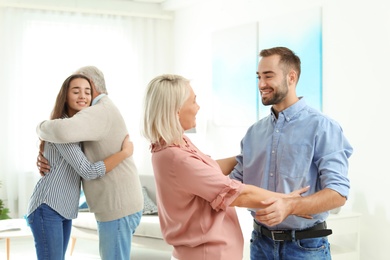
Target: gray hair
(95,75)
(165,95)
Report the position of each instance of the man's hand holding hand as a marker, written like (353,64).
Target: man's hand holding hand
(277,210)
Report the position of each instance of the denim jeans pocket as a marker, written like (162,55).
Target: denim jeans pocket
(319,243)
(255,236)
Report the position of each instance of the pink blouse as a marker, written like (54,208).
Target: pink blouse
(193,200)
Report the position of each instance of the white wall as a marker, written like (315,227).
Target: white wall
(114,7)
(156,58)
(356,37)
(356,54)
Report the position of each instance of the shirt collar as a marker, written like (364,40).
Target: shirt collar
(291,111)
(96,99)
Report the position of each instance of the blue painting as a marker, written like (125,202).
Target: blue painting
(235,56)
(303,35)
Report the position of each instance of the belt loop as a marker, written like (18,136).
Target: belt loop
(293,235)
(260,229)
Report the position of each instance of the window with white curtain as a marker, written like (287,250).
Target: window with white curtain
(39,49)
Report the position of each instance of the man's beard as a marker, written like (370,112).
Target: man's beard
(277,96)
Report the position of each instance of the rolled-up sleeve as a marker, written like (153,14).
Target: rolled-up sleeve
(227,196)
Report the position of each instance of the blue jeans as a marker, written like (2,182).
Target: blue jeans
(115,237)
(51,233)
(265,248)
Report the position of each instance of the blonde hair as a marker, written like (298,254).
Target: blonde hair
(165,95)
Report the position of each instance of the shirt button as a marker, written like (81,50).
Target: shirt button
(273,151)
(271,174)
(277,130)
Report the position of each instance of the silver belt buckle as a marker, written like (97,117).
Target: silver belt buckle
(273,232)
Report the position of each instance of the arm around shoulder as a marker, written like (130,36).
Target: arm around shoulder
(90,124)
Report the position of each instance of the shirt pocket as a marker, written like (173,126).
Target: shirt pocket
(295,160)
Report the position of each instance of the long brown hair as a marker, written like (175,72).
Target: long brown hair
(61,107)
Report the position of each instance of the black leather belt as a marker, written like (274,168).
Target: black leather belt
(318,230)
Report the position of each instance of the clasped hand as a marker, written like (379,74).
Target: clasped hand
(278,209)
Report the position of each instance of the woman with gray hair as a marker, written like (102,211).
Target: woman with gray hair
(195,197)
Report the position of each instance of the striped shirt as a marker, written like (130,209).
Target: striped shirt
(60,188)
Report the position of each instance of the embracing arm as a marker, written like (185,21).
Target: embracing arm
(110,162)
(88,170)
(75,157)
(42,162)
(89,124)
(127,150)
(227,164)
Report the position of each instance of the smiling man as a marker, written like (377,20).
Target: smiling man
(293,147)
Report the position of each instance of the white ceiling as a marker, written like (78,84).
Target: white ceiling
(166,4)
(148,1)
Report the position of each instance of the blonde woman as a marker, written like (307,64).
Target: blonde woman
(195,197)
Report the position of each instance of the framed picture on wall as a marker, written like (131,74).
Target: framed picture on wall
(303,35)
(235,56)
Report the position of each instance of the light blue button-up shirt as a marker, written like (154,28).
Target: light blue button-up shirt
(299,148)
(96,99)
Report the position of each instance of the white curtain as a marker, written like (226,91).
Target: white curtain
(39,49)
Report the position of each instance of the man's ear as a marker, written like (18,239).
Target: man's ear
(93,86)
(292,77)
(94,92)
